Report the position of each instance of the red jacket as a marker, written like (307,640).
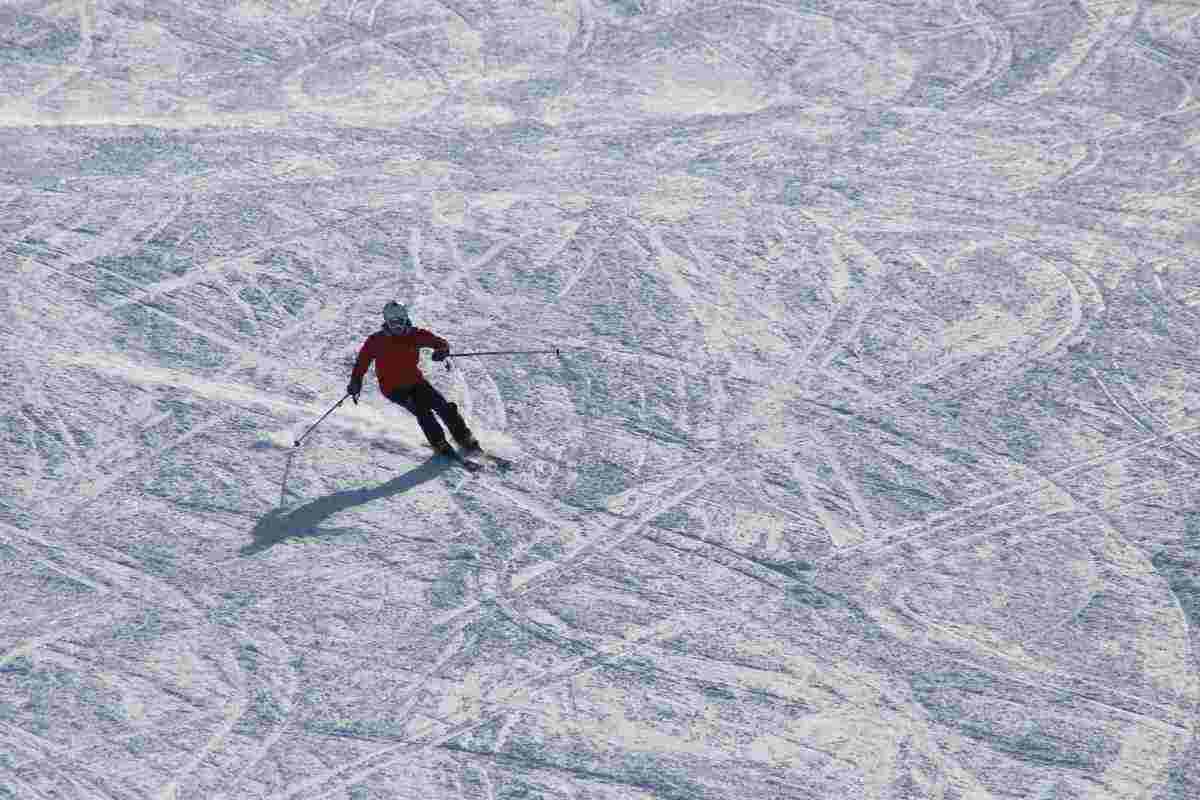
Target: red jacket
(395,357)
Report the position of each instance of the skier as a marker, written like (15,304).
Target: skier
(395,348)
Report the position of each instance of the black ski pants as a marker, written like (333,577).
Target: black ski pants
(423,400)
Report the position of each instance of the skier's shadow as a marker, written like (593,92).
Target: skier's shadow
(278,525)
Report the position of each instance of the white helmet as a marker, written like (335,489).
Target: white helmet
(395,318)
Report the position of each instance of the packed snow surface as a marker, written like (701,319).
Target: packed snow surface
(867,468)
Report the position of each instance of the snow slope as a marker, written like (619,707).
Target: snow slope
(867,469)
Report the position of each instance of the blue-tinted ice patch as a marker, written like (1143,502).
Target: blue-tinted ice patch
(30,39)
(166,342)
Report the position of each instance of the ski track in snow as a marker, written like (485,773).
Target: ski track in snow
(866,469)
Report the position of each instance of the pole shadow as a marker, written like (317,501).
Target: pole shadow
(278,525)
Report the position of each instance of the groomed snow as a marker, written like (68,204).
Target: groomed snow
(867,469)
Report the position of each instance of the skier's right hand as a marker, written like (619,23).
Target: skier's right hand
(354,388)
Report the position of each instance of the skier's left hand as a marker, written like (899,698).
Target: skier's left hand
(440,355)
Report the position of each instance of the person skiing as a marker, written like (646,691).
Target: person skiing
(395,349)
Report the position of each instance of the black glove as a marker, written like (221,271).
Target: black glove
(440,355)
(354,388)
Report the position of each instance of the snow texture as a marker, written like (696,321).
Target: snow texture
(868,468)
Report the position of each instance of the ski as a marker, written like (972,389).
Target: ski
(463,461)
(500,462)
(467,459)
(459,459)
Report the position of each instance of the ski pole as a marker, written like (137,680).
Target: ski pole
(501,353)
(323,416)
(504,353)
